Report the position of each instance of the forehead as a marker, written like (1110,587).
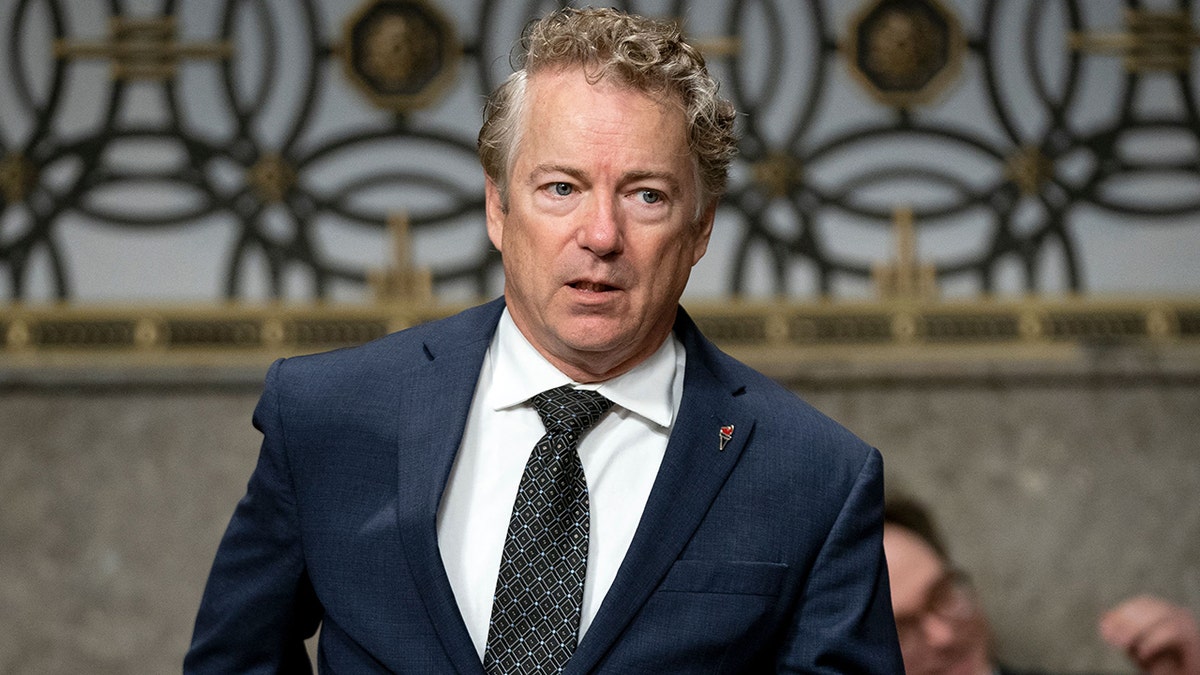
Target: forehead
(568,114)
(572,81)
(913,567)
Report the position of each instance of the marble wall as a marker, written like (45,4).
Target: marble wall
(1059,494)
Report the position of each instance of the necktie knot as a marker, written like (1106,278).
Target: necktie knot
(566,409)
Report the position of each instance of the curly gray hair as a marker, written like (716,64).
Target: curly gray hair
(646,54)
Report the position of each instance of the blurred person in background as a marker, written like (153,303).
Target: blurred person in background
(943,629)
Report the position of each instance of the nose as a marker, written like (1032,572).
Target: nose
(601,229)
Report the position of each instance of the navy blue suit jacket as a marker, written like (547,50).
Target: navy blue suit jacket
(765,556)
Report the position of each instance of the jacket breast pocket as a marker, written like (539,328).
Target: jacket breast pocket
(734,577)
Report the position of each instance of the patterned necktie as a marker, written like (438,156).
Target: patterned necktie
(539,591)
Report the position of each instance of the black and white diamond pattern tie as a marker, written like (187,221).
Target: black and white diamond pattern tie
(539,591)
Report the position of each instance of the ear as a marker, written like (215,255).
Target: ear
(703,232)
(494,208)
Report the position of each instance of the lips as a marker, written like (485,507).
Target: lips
(591,286)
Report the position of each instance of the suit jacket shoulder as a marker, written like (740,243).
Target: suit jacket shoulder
(777,410)
(395,352)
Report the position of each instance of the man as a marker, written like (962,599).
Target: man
(723,525)
(943,630)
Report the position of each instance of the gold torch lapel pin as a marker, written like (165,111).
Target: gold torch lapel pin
(726,434)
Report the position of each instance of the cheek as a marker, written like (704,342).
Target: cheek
(674,259)
(537,263)
(520,245)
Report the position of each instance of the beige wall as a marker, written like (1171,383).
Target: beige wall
(1060,494)
(1058,498)
(113,501)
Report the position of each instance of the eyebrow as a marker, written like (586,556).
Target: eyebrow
(542,169)
(669,179)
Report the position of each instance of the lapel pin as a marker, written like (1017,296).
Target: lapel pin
(726,434)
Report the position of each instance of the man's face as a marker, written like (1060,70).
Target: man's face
(941,627)
(600,233)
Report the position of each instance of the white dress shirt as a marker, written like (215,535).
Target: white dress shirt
(620,456)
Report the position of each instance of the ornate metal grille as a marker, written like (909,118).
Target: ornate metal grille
(978,126)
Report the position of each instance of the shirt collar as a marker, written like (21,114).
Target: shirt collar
(520,372)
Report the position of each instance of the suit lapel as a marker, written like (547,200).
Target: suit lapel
(692,473)
(434,403)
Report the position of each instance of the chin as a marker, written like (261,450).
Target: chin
(593,344)
(595,334)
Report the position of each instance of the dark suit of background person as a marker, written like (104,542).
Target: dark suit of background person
(759,553)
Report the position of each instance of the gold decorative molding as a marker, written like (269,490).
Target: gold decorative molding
(904,278)
(1029,169)
(200,335)
(779,173)
(402,54)
(772,336)
(1152,41)
(142,48)
(905,52)
(17,177)
(271,177)
(401,281)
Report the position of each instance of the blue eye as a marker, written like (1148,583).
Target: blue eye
(651,196)
(561,189)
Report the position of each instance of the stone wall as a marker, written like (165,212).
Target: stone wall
(114,499)
(1060,493)
(1059,496)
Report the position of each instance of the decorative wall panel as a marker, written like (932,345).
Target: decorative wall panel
(244,149)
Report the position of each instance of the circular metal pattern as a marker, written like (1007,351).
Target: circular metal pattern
(402,53)
(905,51)
(258,134)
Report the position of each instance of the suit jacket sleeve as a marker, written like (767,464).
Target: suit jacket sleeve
(258,606)
(844,622)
